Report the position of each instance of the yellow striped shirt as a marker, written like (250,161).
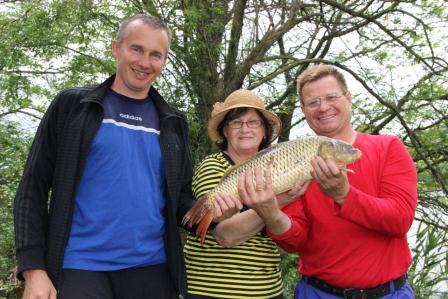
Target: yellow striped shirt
(251,269)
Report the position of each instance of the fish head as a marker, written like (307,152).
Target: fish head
(341,152)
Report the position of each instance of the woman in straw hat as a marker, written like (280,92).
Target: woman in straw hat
(237,260)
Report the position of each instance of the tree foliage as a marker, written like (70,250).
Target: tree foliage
(393,52)
(14,145)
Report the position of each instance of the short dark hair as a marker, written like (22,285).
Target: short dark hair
(317,72)
(235,113)
(152,21)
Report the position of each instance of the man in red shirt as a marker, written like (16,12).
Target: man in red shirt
(349,228)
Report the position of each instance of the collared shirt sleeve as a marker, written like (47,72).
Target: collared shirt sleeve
(294,238)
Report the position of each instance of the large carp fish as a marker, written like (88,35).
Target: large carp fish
(289,162)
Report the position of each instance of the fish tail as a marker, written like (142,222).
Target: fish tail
(204,224)
(196,213)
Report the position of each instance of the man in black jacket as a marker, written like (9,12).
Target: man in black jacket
(116,159)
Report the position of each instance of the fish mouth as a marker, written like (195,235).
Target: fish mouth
(352,156)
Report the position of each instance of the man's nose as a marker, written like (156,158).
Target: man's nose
(323,105)
(145,62)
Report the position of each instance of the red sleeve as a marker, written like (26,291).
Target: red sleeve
(294,238)
(392,211)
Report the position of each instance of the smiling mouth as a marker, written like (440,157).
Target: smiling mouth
(140,73)
(327,117)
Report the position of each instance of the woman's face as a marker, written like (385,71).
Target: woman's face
(248,136)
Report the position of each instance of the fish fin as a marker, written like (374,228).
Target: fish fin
(283,191)
(196,213)
(203,226)
(347,170)
(228,171)
(343,167)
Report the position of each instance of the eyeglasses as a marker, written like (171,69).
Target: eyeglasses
(238,124)
(329,99)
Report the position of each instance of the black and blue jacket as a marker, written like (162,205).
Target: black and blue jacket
(54,168)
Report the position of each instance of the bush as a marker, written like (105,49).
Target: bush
(289,273)
(12,159)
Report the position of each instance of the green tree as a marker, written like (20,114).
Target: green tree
(396,51)
(14,145)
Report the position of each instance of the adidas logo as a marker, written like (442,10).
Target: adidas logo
(133,117)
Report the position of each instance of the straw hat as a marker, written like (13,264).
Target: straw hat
(237,99)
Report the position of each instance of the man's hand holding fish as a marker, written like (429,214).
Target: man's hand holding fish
(332,180)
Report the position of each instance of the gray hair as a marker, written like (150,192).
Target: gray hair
(152,21)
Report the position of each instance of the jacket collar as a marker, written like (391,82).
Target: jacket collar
(162,106)
(98,93)
(165,110)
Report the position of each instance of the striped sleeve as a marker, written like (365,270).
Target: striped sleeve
(208,174)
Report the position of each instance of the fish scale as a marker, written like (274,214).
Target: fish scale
(289,162)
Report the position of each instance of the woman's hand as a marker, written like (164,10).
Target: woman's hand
(257,192)
(226,206)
